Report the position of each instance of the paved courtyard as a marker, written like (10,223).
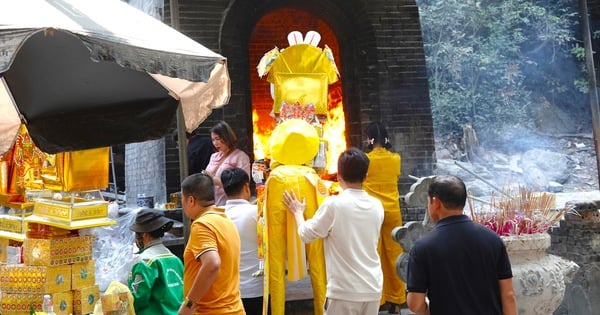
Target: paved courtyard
(299,299)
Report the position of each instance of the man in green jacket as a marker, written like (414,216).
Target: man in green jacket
(156,279)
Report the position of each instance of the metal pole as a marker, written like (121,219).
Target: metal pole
(114,174)
(591,70)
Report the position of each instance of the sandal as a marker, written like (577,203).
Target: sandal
(393,308)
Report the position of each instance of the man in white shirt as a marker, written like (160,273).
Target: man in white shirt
(236,184)
(349,225)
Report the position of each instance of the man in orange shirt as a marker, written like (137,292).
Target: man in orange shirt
(211,279)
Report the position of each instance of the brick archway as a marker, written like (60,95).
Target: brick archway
(238,28)
(381,61)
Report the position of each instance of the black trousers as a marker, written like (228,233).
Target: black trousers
(254,306)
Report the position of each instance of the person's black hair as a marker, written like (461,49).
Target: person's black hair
(201,187)
(450,190)
(233,180)
(353,165)
(161,231)
(224,131)
(175,135)
(376,133)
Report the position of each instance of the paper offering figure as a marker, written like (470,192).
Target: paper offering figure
(300,76)
(294,143)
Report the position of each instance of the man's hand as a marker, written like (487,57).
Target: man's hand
(292,203)
(184,310)
(418,303)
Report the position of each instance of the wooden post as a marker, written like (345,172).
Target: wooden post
(174,9)
(181,132)
(183,166)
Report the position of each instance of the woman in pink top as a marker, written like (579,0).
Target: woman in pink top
(227,156)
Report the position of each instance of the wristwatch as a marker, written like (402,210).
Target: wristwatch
(188,303)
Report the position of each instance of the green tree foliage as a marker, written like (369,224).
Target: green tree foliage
(492,62)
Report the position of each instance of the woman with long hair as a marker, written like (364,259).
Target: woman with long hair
(382,183)
(227,156)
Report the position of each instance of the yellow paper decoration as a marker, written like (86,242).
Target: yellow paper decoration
(78,170)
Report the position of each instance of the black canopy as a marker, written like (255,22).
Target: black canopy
(78,72)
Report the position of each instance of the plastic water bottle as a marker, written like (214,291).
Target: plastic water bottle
(47,305)
(320,161)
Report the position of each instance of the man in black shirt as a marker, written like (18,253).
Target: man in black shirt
(199,149)
(462,267)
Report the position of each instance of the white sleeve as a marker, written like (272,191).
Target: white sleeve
(320,224)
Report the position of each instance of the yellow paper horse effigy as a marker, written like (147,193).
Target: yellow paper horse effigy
(299,77)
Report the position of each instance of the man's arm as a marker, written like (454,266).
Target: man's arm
(507,296)
(416,303)
(211,263)
(140,283)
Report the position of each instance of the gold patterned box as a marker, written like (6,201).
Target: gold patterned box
(11,223)
(20,303)
(3,249)
(85,299)
(34,279)
(83,275)
(63,303)
(68,210)
(53,252)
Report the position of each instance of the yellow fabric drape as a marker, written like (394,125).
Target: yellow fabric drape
(6,166)
(78,170)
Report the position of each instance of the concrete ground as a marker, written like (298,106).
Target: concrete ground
(299,299)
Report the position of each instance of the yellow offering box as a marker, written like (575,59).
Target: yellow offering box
(10,223)
(34,279)
(83,275)
(85,299)
(20,303)
(3,250)
(63,303)
(85,205)
(53,252)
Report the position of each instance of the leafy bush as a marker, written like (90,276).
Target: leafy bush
(492,62)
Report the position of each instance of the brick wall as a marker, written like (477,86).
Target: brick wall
(379,53)
(145,171)
(411,213)
(578,239)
